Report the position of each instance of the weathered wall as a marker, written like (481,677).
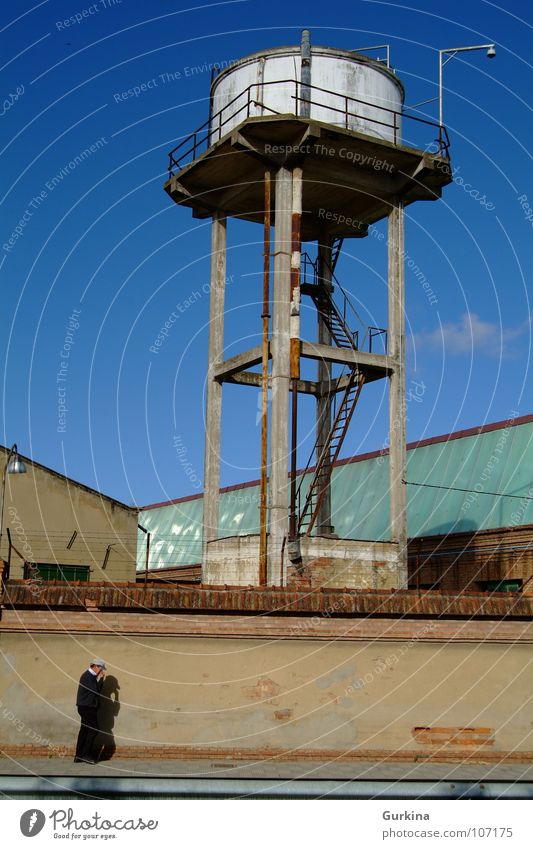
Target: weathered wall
(326,562)
(194,687)
(42,510)
(467,560)
(234,560)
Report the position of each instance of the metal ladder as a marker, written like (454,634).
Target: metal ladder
(336,322)
(336,252)
(322,474)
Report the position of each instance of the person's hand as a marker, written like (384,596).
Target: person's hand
(101,675)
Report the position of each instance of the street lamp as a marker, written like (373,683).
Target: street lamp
(13,466)
(491,53)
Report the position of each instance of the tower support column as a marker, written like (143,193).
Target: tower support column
(280,377)
(396,350)
(323,401)
(213,412)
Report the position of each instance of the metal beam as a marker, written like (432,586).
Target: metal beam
(280,785)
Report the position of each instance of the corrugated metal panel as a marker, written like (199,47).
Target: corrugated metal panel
(176,534)
(498,460)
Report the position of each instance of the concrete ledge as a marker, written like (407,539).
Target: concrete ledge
(324,626)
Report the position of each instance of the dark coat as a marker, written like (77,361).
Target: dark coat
(88,690)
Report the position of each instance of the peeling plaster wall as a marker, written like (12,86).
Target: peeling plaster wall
(265,694)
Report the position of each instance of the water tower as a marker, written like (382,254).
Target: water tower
(309,141)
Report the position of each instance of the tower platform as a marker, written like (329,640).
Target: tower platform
(364,174)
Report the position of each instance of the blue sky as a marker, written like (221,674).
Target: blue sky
(99,256)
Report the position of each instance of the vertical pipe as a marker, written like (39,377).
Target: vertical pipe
(214,388)
(8,570)
(3,493)
(147,564)
(397,435)
(305,76)
(280,374)
(264,389)
(296,258)
(440,87)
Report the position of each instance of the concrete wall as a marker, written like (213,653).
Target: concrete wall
(194,687)
(42,509)
(326,562)
(234,560)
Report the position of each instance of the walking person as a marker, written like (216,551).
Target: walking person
(87,701)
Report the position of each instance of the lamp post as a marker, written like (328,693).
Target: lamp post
(14,466)
(452,51)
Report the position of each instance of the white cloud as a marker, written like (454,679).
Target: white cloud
(470,335)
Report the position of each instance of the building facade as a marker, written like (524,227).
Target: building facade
(56,528)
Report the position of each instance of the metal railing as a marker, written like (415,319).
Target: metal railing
(346,309)
(212,130)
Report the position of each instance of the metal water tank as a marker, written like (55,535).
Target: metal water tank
(346,90)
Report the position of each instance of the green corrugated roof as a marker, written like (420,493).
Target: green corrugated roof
(493,459)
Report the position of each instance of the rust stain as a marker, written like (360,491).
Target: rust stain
(295,358)
(283,715)
(296,239)
(265,690)
(329,699)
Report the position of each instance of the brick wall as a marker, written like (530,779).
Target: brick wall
(465,561)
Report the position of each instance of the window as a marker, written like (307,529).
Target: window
(55,572)
(507,585)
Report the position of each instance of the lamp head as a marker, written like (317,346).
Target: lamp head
(16,466)
(491,52)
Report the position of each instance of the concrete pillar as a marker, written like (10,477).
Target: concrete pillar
(214,388)
(396,350)
(280,374)
(323,401)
